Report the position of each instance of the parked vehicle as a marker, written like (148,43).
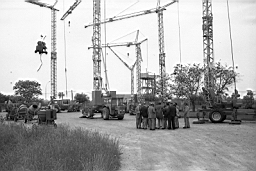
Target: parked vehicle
(108,105)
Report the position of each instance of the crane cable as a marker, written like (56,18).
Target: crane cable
(65,54)
(231,45)
(40,40)
(105,61)
(179,29)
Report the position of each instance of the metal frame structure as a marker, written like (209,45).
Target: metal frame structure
(131,68)
(208,45)
(137,62)
(53,45)
(96,43)
(96,38)
(69,11)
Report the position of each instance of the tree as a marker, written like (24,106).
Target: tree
(61,95)
(224,77)
(248,100)
(27,89)
(3,98)
(81,98)
(186,82)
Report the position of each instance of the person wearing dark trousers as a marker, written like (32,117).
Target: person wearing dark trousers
(165,115)
(152,117)
(159,115)
(171,116)
(144,114)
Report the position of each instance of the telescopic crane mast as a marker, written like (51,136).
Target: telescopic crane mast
(208,47)
(96,43)
(53,45)
(97,38)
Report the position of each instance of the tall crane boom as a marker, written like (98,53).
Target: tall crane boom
(138,61)
(96,43)
(159,10)
(131,68)
(53,45)
(208,46)
(69,11)
(135,14)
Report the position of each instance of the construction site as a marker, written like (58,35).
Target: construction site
(119,55)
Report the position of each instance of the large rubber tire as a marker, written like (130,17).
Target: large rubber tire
(216,116)
(120,118)
(105,113)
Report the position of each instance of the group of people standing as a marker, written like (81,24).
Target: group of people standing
(160,116)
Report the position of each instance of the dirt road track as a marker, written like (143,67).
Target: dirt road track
(208,146)
(211,147)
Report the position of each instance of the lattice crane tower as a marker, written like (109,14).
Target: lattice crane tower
(53,45)
(137,62)
(208,43)
(96,43)
(96,38)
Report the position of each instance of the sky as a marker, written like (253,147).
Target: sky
(21,25)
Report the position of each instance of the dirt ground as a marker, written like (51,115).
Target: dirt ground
(207,146)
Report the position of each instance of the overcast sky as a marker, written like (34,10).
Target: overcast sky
(21,25)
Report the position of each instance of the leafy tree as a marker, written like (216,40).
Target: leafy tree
(224,77)
(27,89)
(186,82)
(81,97)
(61,95)
(248,100)
(3,98)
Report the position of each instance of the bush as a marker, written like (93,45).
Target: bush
(61,149)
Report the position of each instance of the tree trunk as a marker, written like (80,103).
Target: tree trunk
(193,106)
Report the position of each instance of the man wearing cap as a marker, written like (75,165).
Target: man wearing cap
(151,117)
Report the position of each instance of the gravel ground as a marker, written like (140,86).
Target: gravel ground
(206,146)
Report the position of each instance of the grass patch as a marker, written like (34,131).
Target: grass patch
(61,149)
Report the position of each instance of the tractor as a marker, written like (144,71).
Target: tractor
(219,109)
(107,104)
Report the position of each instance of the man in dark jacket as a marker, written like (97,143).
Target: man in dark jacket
(144,113)
(165,114)
(159,115)
(171,116)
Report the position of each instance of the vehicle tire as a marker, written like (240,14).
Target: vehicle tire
(120,118)
(216,116)
(15,119)
(105,113)
(86,114)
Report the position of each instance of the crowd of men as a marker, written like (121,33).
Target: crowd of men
(160,116)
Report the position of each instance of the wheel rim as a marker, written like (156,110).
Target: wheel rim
(216,116)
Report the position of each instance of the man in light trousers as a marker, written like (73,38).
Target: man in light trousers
(186,116)
(138,116)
